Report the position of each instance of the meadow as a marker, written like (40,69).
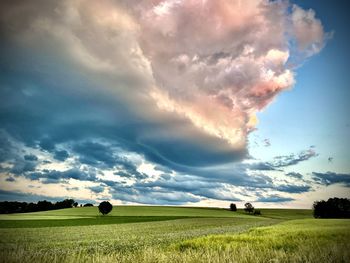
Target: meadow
(172,234)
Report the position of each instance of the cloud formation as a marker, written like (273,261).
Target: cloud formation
(329,178)
(176,82)
(220,62)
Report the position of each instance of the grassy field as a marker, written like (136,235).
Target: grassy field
(172,234)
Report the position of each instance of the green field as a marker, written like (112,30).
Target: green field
(172,234)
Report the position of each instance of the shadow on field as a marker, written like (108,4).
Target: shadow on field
(98,220)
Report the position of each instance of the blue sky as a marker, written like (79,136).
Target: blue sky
(175,102)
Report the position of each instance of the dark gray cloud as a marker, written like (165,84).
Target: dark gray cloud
(53,176)
(95,154)
(145,195)
(20,167)
(190,184)
(329,178)
(10,179)
(61,155)
(6,147)
(295,189)
(30,157)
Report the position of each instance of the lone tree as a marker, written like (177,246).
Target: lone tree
(75,204)
(105,207)
(332,208)
(248,207)
(233,207)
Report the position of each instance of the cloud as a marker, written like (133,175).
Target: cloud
(190,184)
(10,179)
(94,153)
(30,157)
(267,142)
(295,175)
(72,188)
(97,189)
(146,196)
(210,77)
(308,30)
(274,199)
(176,82)
(218,63)
(61,155)
(293,188)
(20,167)
(31,197)
(53,176)
(329,178)
(288,160)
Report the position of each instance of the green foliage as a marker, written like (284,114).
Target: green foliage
(332,208)
(249,208)
(105,207)
(233,207)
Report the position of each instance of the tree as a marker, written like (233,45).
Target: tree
(66,203)
(105,207)
(88,204)
(233,207)
(75,204)
(248,207)
(332,208)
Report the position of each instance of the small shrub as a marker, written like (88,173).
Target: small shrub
(257,212)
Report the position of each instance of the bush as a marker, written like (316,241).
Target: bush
(105,207)
(233,207)
(332,208)
(257,212)
(88,205)
(249,208)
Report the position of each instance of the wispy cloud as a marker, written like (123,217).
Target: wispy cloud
(329,178)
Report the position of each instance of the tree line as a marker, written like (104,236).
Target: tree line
(8,207)
(332,208)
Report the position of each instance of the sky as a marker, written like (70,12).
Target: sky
(174,102)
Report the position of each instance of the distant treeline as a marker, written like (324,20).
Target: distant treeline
(23,207)
(332,208)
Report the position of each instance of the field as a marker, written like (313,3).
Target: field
(172,234)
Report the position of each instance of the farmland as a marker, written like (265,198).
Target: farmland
(171,234)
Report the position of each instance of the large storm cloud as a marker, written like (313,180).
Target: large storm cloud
(179,83)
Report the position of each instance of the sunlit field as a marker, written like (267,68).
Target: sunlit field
(171,234)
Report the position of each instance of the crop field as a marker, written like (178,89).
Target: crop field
(172,234)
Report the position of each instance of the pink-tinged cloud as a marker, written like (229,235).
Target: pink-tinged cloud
(214,63)
(218,63)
